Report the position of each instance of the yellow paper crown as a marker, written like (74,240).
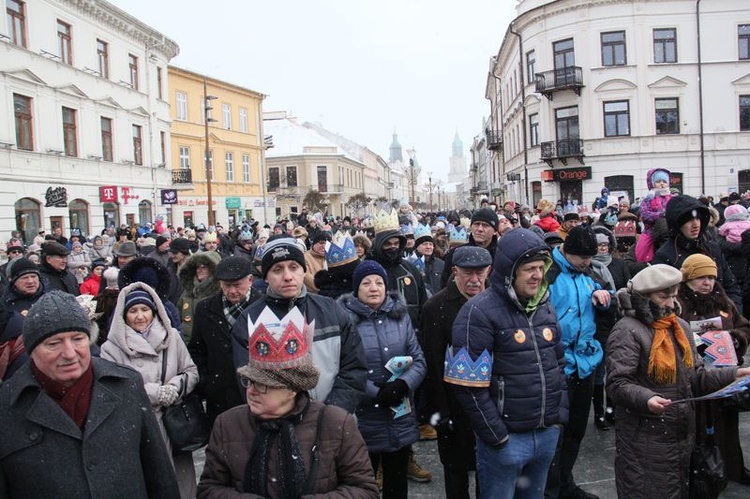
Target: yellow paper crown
(384,221)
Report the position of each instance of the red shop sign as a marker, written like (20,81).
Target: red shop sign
(108,194)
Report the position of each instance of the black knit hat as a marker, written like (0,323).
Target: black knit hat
(281,250)
(55,312)
(581,241)
(485,215)
(180,245)
(161,240)
(321,236)
(368,267)
(21,267)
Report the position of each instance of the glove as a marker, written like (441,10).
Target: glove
(391,392)
(445,426)
(167,395)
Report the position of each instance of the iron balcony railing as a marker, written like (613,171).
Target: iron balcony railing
(562,150)
(568,78)
(182,176)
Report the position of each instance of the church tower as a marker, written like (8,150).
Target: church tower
(396,153)
(457,161)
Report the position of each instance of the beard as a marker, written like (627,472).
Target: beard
(660,312)
(391,256)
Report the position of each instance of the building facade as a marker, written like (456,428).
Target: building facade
(84,134)
(235,150)
(587,94)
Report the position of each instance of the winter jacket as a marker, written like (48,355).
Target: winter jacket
(78,260)
(527,388)
(64,281)
(314,264)
(336,281)
(732,230)
(91,285)
(548,224)
(386,333)
(653,451)
(211,349)
(196,291)
(240,251)
(433,273)
(127,347)
(449,258)
(119,454)
(161,257)
(344,468)
(336,351)
(103,252)
(570,295)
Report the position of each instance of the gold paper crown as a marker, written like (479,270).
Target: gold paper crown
(384,221)
(465,222)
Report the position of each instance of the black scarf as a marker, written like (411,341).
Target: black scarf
(277,433)
(704,305)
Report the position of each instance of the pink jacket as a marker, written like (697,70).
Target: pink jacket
(653,208)
(732,230)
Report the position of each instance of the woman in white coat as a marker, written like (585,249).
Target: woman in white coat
(139,336)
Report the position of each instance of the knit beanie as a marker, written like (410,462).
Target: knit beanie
(368,267)
(736,212)
(138,297)
(281,250)
(655,278)
(485,215)
(21,267)
(602,238)
(55,312)
(161,240)
(321,236)
(580,241)
(698,265)
(660,175)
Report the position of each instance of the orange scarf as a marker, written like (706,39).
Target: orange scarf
(662,363)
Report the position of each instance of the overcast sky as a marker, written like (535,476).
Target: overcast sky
(358,67)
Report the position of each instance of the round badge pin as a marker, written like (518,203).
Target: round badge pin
(520,336)
(547,333)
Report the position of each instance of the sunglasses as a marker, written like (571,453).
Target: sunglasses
(247,383)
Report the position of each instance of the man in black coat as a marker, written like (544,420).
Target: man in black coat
(211,343)
(54,268)
(471,267)
(484,223)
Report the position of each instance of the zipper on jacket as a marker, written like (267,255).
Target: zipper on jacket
(541,368)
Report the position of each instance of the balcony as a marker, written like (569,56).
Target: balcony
(182,176)
(557,80)
(494,140)
(562,150)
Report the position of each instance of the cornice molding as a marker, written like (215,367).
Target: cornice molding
(554,9)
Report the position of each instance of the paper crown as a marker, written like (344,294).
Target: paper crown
(384,221)
(275,343)
(340,251)
(460,369)
(422,230)
(406,229)
(465,222)
(458,235)
(417,261)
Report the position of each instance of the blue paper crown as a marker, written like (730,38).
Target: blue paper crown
(417,261)
(460,369)
(422,230)
(459,235)
(406,230)
(340,252)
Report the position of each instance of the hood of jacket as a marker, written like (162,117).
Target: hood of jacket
(188,270)
(513,249)
(394,307)
(381,238)
(680,207)
(650,176)
(118,329)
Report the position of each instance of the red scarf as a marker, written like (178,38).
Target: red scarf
(75,400)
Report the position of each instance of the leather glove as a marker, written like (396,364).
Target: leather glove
(167,395)
(391,392)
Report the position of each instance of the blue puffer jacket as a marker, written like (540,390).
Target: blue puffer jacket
(570,293)
(527,389)
(386,333)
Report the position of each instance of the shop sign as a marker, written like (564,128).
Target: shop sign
(57,197)
(128,194)
(571,174)
(233,203)
(548,175)
(195,202)
(168,196)
(108,194)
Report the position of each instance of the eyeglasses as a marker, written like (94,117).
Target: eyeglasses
(15,251)
(247,383)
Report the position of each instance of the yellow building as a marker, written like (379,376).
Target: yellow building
(235,138)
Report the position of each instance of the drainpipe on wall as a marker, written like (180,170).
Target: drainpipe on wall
(495,123)
(523,111)
(700,94)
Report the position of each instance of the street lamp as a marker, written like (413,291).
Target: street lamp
(206,120)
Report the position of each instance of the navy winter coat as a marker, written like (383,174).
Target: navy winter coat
(528,389)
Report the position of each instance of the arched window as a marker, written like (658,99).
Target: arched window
(28,218)
(144,212)
(79,216)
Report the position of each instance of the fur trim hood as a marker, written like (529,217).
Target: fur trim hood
(394,307)
(134,270)
(188,270)
(118,330)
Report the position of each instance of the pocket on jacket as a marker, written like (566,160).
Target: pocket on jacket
(500,395)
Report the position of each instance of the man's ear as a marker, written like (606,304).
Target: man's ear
(454,271)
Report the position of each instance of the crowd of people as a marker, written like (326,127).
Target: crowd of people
(323,348)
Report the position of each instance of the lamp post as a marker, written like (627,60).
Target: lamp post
(206,120)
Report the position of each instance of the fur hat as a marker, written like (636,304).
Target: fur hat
(698,265)
(55,312)
(655,278)
(736,212)
(580,241)
(545,207)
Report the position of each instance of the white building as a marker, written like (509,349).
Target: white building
(593,93)
(84,134)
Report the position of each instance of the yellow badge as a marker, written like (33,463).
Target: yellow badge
(187,319)
(24,312)
(547,333)
(520,336)
(185,306)
(407,281)
(724,314)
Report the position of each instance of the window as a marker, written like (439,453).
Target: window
(665,45)
(102,53)
(16,22)
(64,49)
(273,179)
(106,124)
(531,66)
(246,168)
(133,64)
(667,116)
(565,60)
(743,35)
(226,114)
(745,112)
(229,162)
(613,49)
(159,83)
(69,132)
(533,130)
(182,110)
(616,118)
(137,144)
(291,176)
(568,133)
(322,179)
(163,148)
(24,131)
(243,120)
(184,158)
